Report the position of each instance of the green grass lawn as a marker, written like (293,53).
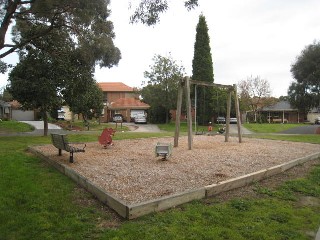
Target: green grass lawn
(14,126)
(269,128)
(37,202)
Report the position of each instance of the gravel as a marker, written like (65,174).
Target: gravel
(130,171)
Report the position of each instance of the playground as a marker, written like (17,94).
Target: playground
(130,171)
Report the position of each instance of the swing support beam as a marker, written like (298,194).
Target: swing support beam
(184,86)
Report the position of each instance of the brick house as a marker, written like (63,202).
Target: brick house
(120,98)
(282,112)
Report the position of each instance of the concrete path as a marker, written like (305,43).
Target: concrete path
(38,125)
(39,129)
(318,235)
(234,129)
(146,128)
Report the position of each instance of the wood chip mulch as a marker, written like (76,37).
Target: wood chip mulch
(130,171)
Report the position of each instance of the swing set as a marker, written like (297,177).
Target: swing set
(184,84)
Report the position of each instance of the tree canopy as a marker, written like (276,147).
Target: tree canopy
(304,93)
(148,11)
(254,94)
(32,83)
(65,57)
(85,97)
(202,66)
(162,87)
(48,15)
(202,70)
(85,23)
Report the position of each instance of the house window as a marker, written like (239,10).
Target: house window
(105,97)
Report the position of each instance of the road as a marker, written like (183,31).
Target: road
(307,129)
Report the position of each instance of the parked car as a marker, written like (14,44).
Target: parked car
(140,118)
(221,120)
(60,114)
(317,120)
(233,120)
(117,118)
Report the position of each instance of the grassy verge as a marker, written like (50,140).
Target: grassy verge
(170,127)
(13,126)
(269,128)
(37,202)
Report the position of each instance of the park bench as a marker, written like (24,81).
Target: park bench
(60,141)
(164,150)
(105,138)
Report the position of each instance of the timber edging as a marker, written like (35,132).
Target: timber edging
(132,211)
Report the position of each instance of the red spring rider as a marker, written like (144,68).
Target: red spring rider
(210,127)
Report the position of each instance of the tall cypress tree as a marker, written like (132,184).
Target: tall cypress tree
(202,70)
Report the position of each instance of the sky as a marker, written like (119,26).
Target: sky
(247,38)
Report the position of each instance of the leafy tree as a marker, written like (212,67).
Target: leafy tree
(157,112)
(219,102)
(305,92)
(5,95)
(202,70)
(86,100)
(81,18)
(300,97)
(284,98)
(162,86)
(254,94)
(84,22)
(56,14)
(32,83)
(148,11)
(72,48)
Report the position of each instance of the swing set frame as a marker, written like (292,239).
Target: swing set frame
(184,84)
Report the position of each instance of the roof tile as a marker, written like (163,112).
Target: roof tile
(114,87)
(128,103)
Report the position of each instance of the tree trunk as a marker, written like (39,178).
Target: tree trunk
(10,9)
(45,123)
(167,116)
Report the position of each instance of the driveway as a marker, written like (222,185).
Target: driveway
(234,129)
